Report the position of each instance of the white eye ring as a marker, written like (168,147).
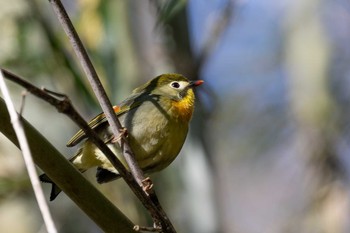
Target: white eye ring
(175,85)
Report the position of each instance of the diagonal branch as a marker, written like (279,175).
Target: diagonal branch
(28,159)
(149,199)
(54,164)
(65,106)
(97,87)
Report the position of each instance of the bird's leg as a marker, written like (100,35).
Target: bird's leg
(147,184)
(123,132)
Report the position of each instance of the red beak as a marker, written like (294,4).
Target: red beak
(196,83)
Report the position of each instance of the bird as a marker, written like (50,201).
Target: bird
(156,117)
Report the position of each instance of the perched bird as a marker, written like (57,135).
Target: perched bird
(156,116)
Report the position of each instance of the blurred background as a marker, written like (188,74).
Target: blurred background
(269,144)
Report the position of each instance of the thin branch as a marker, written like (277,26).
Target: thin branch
(97,87)
(149,198)
(64,106)
(79,190)
(33,176)
(138,228)
(59,51)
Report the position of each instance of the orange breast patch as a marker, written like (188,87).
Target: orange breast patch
(183,109)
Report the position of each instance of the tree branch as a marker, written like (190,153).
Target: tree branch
(149,199)
(28,159)
(64,106)
(97,87)
(82,192)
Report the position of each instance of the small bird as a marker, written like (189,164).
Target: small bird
(156,117)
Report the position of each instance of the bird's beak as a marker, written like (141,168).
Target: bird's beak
(196,83)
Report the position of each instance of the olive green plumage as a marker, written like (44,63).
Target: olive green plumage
(156,116)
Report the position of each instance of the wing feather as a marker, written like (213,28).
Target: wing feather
(100,119)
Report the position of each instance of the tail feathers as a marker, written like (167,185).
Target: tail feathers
(55,190)
(104,175)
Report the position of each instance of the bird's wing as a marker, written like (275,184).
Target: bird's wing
(100,119)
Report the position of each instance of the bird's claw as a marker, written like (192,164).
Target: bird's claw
(147,184)
(123,132)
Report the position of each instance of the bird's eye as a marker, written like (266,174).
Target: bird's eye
(175,85)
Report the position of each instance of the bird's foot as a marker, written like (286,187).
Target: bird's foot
(123,132)
(147,184)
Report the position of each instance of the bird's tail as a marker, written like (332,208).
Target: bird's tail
(55,190)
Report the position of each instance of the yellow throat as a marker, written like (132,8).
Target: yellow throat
(183,109)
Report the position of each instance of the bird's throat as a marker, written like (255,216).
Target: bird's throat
(183,109)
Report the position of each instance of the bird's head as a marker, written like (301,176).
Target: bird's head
(174,89)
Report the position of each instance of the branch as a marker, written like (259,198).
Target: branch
(81,191)
(59,51)
(28,159)
(65,106)
(97,87)
(149,199)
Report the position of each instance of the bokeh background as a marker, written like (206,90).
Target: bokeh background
(269,145)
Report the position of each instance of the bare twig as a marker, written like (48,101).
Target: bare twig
(138,228)
(150,202)
(24,94)
(79,190)
(97,87)
(149,198)
(65,106)
(59,51)
(33,176)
